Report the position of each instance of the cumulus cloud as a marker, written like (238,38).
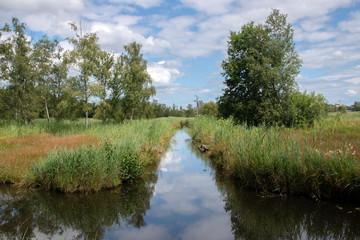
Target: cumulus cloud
(164,73)
(175,32)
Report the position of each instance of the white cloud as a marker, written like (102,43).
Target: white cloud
(142,3)
(41,5)
(353,24)
(351,92)
(205,229)
(205,91)
(355,80)
(163,73)
(150,232)
(209,6)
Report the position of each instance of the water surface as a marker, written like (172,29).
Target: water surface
(185,199)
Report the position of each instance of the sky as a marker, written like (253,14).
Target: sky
(185,41)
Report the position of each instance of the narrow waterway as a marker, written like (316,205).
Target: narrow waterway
(185,199)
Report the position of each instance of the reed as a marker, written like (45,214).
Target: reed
(318,162)
(116,153)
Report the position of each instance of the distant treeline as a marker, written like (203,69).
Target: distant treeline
(343,108)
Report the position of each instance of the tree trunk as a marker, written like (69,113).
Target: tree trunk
(132,113)
(47,111)
(86,119)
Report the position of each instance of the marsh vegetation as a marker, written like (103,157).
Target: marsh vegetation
(69,157)
(320,162)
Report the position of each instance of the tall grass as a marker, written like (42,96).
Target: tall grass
(280,160)
(125,151)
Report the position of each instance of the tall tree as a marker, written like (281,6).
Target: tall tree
(103,74)
(84,54)
(43,56)
(137,83)
(17,70)
(260,72)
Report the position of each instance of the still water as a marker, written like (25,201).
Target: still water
(185,199)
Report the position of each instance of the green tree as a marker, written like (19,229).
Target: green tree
(210,109)
(103,74)
(63,98)
(43,56)
(85,54)
(137,84)
(342,108)
(18,71)
(116,88)
(356,106)
(260,72)
(190,112)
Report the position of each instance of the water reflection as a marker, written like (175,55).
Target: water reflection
(185,200)
(80,216)
(254,217)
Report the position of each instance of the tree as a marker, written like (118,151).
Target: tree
(85,54)
(260,72)
(356,106)
(104,63)
(210,109)
(190,112)
(43,56)
(18,70)
(137,83)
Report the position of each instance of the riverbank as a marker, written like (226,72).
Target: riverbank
(67,157)
(321,162)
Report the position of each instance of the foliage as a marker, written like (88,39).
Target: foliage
(210,109)
(356,106)
(304,109)
(36,81)
(190,112)
(260,76)
(17,69)
(137,82)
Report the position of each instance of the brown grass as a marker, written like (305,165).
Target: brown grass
(326,142)
(16,154)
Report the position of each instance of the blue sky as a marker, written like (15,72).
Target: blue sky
(185,41)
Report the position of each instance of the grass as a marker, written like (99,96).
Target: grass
(321,162)
(66,156)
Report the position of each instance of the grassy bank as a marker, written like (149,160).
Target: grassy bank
(68,157)
(321,162)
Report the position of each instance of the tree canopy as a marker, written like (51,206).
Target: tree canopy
(37,81)
(260,73)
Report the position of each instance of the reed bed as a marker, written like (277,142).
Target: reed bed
(321,162)
(108,155)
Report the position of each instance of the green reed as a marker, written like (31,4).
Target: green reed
(280,160)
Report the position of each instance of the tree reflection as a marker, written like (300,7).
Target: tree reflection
(253,217)
(26,213)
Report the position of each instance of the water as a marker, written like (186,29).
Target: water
(185,199)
